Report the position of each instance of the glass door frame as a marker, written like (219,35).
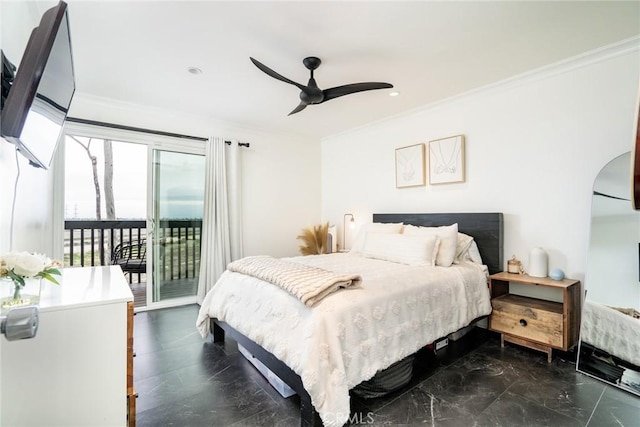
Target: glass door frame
(151,225)
(152,141)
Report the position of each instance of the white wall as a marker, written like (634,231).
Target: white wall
(534,146)
(34,201)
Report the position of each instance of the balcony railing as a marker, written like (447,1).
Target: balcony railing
(91,243)
(179,246)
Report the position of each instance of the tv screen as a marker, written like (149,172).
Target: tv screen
(41,92)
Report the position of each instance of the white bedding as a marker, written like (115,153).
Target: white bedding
(355,332)
(607,329)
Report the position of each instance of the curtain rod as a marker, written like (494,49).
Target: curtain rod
(151,131)
(240,144)
(134,129)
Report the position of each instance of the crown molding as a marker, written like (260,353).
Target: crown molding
(618,49)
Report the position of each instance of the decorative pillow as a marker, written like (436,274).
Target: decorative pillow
(378,227)
(462,246)
(474,253)
(448,235)
(401,248)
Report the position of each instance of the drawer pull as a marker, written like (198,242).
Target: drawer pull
(523,322)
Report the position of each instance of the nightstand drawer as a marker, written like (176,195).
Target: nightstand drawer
(528,318)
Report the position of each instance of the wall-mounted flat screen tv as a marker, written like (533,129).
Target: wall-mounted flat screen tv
(37,103)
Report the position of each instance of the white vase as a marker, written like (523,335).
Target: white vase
(538,263)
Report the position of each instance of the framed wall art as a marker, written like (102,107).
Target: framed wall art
(410,166)
(446,160)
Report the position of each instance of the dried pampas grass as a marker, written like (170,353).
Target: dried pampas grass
(315,240)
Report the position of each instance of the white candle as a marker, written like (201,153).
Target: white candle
(538,262)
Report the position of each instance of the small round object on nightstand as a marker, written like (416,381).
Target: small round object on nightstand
(556,274)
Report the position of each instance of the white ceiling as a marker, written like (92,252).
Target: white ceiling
(139,52)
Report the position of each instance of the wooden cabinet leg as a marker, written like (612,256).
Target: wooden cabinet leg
(131,412)
(131,394)
(502,340)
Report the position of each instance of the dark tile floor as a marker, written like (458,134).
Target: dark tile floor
(183,380)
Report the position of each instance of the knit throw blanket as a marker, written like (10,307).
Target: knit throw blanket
(309,284)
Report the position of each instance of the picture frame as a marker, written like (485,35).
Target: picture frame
(446,160)
(410,166)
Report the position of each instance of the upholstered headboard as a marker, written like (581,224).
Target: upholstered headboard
(486,229)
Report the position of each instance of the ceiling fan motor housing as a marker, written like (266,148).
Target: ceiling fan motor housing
(312,94)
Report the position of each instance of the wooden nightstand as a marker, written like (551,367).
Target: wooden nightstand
(531,322)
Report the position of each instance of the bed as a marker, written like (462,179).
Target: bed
(324,351)
(610,345)
(612,331)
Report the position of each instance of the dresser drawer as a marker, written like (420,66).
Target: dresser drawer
(528,318)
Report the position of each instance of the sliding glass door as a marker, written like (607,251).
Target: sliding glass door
(176,225)
(135,200)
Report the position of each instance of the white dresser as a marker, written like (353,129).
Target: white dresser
(74,372)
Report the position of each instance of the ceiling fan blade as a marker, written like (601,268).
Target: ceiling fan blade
(299,108)
(275,75)
(337,91)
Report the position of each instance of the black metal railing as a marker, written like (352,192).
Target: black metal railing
(179,248)
(91,243)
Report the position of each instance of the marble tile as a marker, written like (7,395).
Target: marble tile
(473,382)
(221,400)
(145,342)
(417,406)
(616,408)
(559,387)
(511,353)
(155,363)
(183,380)
(156,391)
(513,410)
(283,414)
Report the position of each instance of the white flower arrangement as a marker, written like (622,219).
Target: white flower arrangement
(19,266)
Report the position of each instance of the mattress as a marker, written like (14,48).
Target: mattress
(355,332)
(612,331)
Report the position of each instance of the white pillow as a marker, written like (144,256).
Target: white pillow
(462,246)
(378,227)
(474,254)
(448,235)
(402,248)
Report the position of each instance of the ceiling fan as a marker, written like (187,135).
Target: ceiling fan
(311,93)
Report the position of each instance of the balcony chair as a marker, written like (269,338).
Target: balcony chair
(131,257)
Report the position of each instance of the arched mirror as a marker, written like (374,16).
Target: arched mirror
(610,330)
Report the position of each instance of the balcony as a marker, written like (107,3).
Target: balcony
(176,253)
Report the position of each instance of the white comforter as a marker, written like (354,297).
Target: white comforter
(353,333)
(607,329)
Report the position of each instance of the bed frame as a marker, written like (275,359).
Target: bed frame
(487,230)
